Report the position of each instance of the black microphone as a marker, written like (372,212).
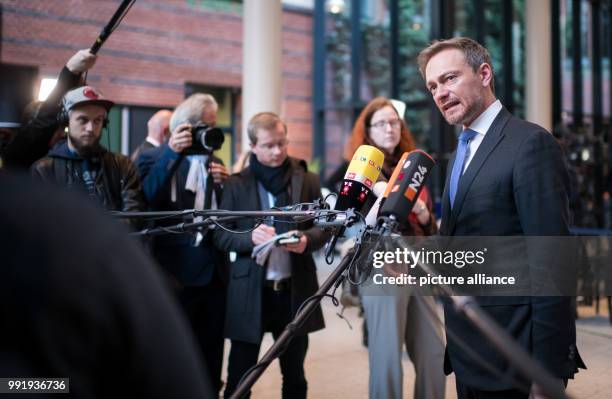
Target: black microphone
(110,27)
(361,174)
(404,192)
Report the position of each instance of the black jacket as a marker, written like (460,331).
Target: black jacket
(516,185)
(117,184)
(32,139)
(79,299)
(243,320)
(164,175)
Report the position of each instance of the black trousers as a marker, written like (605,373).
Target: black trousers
(465,392)
(205,309)
(276,314)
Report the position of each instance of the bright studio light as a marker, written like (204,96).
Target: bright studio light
(46,86)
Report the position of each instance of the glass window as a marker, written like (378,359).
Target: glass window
(376,37)
(414,35)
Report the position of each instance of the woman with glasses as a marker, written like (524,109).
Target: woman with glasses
(393,316)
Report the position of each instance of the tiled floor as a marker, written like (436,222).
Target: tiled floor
(337,363)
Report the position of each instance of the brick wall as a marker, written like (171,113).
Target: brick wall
(158,47)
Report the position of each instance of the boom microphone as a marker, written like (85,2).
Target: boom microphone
(404,191)
(114,22)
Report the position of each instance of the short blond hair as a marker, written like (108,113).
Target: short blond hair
(475,53)
(263,120)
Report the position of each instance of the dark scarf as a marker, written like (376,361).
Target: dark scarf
(391,160)
(276,180)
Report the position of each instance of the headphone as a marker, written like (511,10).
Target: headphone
(63,118)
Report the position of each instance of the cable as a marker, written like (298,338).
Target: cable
(330,194)
(354,264)
(235,231)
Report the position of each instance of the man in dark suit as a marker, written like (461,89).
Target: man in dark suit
(175,181)
(158,130)
(507,178)
(265,295)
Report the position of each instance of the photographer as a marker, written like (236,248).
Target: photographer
(183,174)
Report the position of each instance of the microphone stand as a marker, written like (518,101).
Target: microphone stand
(308,307)
(183,227)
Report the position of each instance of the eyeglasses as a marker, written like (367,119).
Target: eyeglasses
(395,123)
(269,146)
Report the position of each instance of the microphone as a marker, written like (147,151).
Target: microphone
(359,180)
(362,173)
(378,190)
(396,172)
(403,192)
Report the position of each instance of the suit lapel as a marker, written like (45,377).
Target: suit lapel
(491,140)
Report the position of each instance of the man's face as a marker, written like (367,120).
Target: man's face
(271,147)
(209,116)
(164,125)
(85,127)
(457,90)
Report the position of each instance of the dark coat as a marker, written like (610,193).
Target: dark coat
(145,145)
(244,315)
(163,171)
(117,184)
(517,184)
(79,298)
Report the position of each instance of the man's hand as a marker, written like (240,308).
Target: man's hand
(82,61)
(262,234)
(298,247)
(180,138)
(421,212)
(219,172)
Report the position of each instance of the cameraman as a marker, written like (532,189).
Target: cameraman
(176,177)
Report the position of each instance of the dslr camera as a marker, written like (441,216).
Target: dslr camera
(206,139)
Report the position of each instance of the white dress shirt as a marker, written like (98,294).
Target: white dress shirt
(152,141)
(481,125)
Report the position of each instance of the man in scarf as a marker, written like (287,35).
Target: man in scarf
(173,180)
(265,297)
